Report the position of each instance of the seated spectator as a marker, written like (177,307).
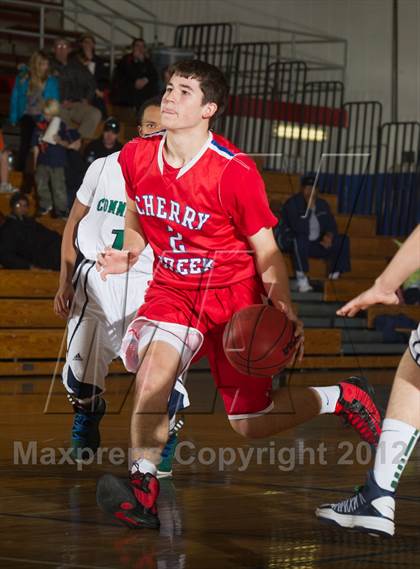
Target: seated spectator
(148,117)
(33,86)
(24,243)
(135,78)
(5,186)
(77,89)
(105,145)
(312,234)
(50,158)
(97,67)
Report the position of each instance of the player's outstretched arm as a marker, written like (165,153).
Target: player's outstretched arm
(404,263)
(65,292)
(112,261)
(272,269)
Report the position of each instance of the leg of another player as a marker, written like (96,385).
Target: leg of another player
(372,508)
(401,426)
(404,401)
(89,353)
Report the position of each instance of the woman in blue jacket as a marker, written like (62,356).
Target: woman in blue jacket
(33,86)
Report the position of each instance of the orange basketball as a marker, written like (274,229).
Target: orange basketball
(259,340)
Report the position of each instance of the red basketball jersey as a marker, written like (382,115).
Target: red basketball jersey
(197,218)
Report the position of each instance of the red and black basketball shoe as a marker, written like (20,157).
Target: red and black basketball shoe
(132,501)
(358,409)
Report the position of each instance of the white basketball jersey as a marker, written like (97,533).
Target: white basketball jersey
(103,191)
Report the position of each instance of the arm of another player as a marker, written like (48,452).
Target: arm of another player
(404,263)
(81,206)
(65,292)
(272,269)
(112,261)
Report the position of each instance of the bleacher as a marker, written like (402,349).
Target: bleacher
(32,340)
(32,337)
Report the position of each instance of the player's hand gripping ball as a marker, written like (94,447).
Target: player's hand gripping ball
(260,340)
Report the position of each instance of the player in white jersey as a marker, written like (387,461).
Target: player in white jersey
(99,312)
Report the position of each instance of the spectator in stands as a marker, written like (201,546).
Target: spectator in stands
(5,186)
(50,143)
(135,78)
(97,67)
(33,86)
(307,228)
(24,243)
(148,117)
(107,144)
(77,88)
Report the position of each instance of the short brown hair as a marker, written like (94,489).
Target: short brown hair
(212,81)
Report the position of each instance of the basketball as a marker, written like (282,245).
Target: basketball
(259,340)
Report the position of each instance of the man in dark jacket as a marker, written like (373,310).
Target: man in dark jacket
(24,243)
(135,78)
(308,229)
(77,90)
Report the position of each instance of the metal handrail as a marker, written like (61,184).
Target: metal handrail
(113,13)
(149,13)
(297,37)
(54,8)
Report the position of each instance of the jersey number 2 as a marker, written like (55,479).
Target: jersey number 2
(175,242)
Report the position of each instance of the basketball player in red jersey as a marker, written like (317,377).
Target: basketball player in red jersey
(201,205)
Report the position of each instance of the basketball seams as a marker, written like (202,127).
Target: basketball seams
(252,323)
(254,331)
(276,341)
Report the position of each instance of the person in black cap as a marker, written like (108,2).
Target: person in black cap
(307,228)
(105,145)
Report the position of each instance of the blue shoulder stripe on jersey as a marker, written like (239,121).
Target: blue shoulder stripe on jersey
(222,148)
(152,134)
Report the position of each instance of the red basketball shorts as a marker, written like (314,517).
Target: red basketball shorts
(208,311)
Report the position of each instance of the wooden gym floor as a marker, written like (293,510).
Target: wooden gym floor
(260,517)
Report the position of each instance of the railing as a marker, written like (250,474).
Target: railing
(105,43)
(284,85)
(359,156)
(210,42)
(397,184)
(298,124)
(283,43)
(302,126)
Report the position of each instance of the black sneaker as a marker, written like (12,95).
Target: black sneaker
(132,502)
(370,510)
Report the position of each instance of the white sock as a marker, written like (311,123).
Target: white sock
(143,466)
(300,275)
(396,443)
(329,397)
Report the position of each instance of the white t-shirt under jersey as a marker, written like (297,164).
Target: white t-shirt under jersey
(103,191)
